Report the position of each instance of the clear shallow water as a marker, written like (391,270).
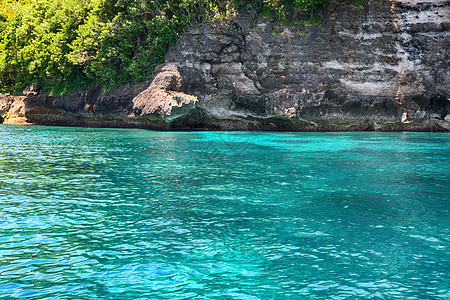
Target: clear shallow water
(133,214)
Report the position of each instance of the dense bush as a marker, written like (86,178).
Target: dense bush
(66,45)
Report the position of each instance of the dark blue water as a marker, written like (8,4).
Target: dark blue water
(133,214)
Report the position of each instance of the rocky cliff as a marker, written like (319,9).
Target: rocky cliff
(380,66)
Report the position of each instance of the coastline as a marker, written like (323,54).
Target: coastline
(199,120)
(256,74)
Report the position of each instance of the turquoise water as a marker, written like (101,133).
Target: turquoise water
(91,213)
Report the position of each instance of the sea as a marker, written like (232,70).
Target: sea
(95,213)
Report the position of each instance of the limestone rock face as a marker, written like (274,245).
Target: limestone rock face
(12,109)
(165,95)
(376,61)
(5,103)
(32,90)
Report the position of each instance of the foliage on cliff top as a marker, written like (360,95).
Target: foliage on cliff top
(67,45)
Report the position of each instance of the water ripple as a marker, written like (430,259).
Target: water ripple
(131,214)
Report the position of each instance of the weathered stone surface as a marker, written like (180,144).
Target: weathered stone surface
(12,109)
(165,95)
(377,61)
(5,104)
(91,102)
(380,66)
(32,90)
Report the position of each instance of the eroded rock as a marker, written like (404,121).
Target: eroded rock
(375,61)
(164,96)
(32,90)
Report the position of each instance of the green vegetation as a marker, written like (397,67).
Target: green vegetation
(9,7)
(67,45)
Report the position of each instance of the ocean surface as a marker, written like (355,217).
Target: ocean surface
(88,213)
